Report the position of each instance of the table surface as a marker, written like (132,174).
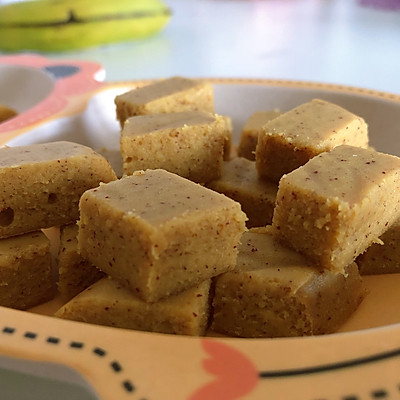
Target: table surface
(332,41)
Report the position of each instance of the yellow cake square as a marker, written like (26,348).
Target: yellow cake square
(42,184)
(240,182)
(74,272)
(165,96)
(382,257)
(25,271)
(106,302)
(189,143)
(158,233)
(251,130)
(335,206)
(296,136)
(276,292)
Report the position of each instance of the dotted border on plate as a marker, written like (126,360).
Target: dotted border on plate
(115,366)
(375,394)
(129,388)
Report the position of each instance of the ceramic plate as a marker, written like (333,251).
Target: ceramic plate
(361,361)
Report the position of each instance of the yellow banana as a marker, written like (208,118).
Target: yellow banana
(58,25)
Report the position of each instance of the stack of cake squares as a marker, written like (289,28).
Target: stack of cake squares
(336,199)
(41,188)
(198,236)
(158,234)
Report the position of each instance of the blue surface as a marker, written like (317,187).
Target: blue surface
(16,385)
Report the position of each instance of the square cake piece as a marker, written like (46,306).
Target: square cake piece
(383,257)
(158,233)
(293,138)
(189,143)
(74,272)
(275,292)
(251,130)
(240,182)
(165,96)
(42,184)
(106,302)
(25,271)
(339,203)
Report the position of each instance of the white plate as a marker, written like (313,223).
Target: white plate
(362,361)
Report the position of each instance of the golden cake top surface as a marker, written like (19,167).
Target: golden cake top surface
(107,289)
(345,174)
(315,122)
(35,153)
(241,173)
(28,244)
(259,118)
(158,196)
(142,124)
(159,89)
(265,258)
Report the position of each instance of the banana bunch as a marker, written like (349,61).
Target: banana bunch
(58,25)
